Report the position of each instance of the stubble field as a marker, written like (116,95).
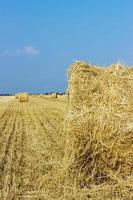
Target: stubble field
(31,145)
(47,154)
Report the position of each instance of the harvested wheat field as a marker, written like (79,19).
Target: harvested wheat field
(31,145)
(75,147)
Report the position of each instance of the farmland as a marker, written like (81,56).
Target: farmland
(76,146)
(31,144)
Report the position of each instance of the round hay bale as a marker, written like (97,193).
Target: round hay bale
(23,97)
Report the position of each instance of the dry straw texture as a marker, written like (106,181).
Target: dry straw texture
(99,129)
(23,97)
(62,97)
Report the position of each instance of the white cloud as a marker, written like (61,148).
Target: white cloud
(27,50)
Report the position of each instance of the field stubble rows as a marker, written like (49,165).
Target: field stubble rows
(30,146)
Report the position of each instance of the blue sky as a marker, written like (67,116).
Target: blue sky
(39,39)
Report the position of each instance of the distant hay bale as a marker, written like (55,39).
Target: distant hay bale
(17,96)
(23,97)
(99,124)
(53,95)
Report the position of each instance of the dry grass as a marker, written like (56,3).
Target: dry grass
(98,157)
(99,128)
(62,97)
(23,97)
(86,156)
(30,146)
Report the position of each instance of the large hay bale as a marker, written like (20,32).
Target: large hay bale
(23,97)
(17,96)
(53,95)
(99,124)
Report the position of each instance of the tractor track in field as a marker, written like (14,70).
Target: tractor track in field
(48,122)
(7,134)
(22,158)
(43,122)
(6,117)
(8,157)
(5,109)
(11,157)
(27,147)
(26,188)
(50,118)
(41,128)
